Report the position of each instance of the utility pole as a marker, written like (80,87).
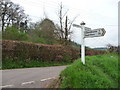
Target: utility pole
(82,43)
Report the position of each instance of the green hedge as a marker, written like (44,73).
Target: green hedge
(18,50)
(21,50)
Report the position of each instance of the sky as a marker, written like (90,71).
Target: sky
(95,13)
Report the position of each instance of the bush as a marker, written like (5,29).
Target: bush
(11,33)
(40,40)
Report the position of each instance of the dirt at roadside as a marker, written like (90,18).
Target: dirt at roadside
(54,83)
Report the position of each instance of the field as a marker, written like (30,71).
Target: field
(100,71)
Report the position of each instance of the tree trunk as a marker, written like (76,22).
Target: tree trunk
(66,29)
(3,23)
(61,23)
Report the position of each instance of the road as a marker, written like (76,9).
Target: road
(29,77)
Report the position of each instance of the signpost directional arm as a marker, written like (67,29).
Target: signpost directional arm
(78,26)
(95,33)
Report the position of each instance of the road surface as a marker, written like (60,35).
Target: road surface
(29,77)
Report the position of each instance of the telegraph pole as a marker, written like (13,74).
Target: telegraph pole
(82,43)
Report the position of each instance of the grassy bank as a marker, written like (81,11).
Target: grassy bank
(12,64)
(100,71)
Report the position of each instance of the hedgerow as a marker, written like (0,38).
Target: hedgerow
(30,51)
(21,50)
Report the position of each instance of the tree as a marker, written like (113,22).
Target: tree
(23,26)
(47,28)
(44,30)
(61,16)
(68,26)
(11,14)
(112,48)
(4,11)
(64,30)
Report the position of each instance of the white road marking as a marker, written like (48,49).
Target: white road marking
(6,86)
(47,79)
(28,82)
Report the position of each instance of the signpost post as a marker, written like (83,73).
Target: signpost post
(82,43)
(86,32)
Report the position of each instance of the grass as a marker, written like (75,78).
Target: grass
(100,71)
(12,64)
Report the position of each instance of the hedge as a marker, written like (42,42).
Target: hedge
(27,51)
(21,50)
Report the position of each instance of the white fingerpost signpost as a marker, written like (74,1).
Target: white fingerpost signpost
(87,32)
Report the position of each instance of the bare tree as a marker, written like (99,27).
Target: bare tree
(64,30)
(61,16)
(4,5)
(11,14)
(68,26)
(68,31)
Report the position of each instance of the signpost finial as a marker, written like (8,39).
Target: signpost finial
(82,23)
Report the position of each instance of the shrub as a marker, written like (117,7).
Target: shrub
(12,33)
(39,40)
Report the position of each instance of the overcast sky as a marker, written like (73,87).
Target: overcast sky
(95,13)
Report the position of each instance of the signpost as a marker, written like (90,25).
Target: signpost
(75,25)
(87,32)
(94,33)
(87,28)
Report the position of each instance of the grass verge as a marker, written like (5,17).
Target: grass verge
(100,71)
(12,64)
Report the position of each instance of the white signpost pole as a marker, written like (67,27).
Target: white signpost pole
(82,43)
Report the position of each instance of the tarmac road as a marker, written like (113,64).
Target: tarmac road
(29,77)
